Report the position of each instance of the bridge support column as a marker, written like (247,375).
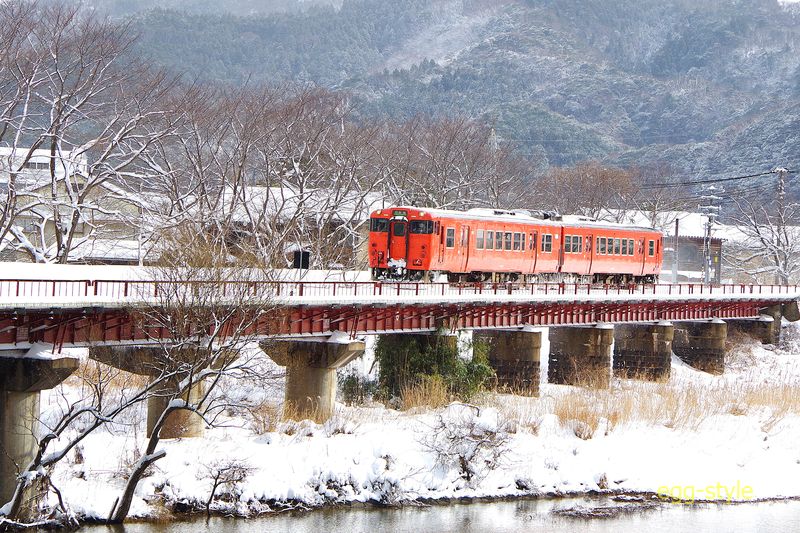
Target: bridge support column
(21,382)
(790,311)
(580,356)
(702,345)
(643,351)
(181,423)
(766,328)
(311,373)
(515,358)
(147,361)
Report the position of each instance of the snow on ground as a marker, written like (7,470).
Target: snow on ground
(694,432)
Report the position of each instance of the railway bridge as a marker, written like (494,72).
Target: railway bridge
(315,327)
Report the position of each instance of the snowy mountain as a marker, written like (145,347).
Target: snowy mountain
(710,88)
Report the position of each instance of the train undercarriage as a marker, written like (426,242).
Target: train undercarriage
(431,276)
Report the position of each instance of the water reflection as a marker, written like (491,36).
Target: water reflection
(512,517)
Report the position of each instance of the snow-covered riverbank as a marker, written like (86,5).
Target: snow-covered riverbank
(732,432)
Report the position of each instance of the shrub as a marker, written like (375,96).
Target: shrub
(407,363)
(356,389)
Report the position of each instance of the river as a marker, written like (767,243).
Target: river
(553,516)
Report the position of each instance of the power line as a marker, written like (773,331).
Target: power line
(704,182)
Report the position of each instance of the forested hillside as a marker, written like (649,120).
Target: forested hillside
(710,88)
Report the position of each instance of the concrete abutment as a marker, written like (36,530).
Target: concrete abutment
(766,328)
(580,356)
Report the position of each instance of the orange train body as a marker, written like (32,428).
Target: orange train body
(492,245)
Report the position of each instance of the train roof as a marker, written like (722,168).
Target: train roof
(523,216)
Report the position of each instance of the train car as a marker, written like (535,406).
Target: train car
(412,243)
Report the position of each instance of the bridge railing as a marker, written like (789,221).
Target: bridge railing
(141,290)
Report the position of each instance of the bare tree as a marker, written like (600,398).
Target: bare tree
(201,326)
(227,474)
(452,163)
(104,395)
(770,247)
(81,113)
(656,197)
(588,189)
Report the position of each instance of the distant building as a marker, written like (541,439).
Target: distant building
(109,230)
(33,166)
(691,259)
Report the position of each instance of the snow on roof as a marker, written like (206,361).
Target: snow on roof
(286,201)
(107,250)
(690,224)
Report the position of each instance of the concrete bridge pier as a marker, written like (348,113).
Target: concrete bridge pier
(150,362)
(643,351)
(702,345)
(515,357)
(21,381)
(182,423)
(311,373)
(580,355)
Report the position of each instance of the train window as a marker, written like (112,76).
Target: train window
(630,247)
(523,242)
(479,239)
(498,240)
(568,244)
(547,242)
(601,246)
(424,227)
(577,244)
(379,224)
(617,245)
(651,248)
(508,240)
(489,240)
(532,242)
(451,238)
(517,241)
(624,246)
(464,236)
(399,229)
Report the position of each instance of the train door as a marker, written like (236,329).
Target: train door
(589,250)
(398,240)
(533,247)
(643,251)
(440,231)
(463,248)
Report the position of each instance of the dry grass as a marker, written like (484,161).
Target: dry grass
(430,391)
(264,417)
(90,373)
(673,405)
(293,412)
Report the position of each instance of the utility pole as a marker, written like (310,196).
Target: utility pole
(780,276)
(675,252)
(711,211)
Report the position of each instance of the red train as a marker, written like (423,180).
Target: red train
(412,243)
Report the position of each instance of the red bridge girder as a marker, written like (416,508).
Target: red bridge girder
(91,325)
(372,319)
